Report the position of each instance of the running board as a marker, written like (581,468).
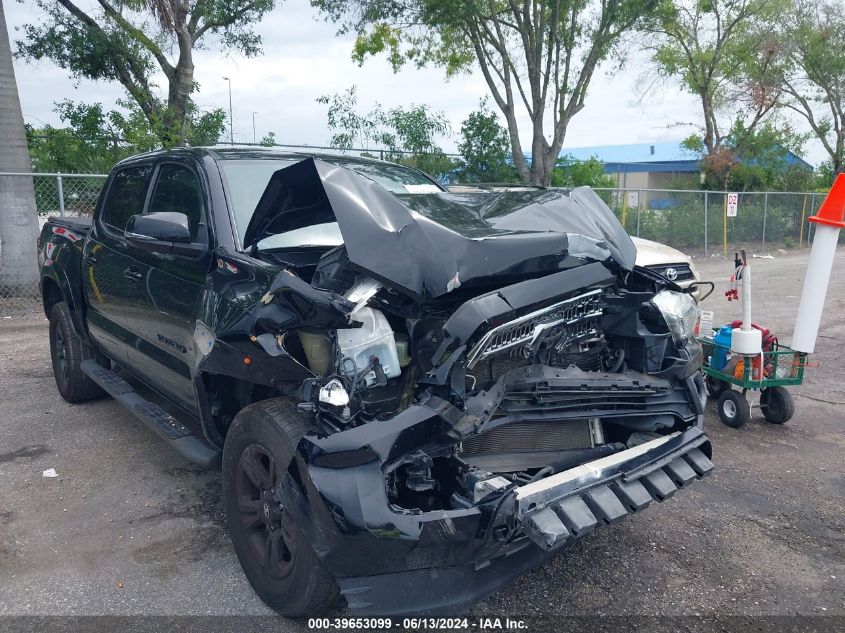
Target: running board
(157,419)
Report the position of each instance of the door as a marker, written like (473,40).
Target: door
(163,323)
(111,280)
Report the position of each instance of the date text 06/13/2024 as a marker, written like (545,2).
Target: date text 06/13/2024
(483,623)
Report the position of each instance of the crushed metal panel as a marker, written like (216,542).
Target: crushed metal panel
(425,244)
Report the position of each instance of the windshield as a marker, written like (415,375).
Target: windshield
(246,180)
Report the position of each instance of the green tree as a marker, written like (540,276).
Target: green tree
(406,135)
(814,75)
(131,41)
(722,52)
(758,159)
(410,134)
(349,127)
(485,147)
(269,140)
(763,161)
(570,172)
(537,57)
(18,219)
(92,140)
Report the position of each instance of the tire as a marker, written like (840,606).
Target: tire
(715,386)
(67,351)
(733,409)
(777,405)
(276,557)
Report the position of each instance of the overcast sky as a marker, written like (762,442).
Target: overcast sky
(303,59)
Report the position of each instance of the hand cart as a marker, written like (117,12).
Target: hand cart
(769,372)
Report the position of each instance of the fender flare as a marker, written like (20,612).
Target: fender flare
(70,295)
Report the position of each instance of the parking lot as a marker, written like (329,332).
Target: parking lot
(129,527)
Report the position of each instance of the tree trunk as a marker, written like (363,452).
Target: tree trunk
(18,216)
(179,92)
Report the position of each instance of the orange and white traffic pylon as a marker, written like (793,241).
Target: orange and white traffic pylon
(829,220)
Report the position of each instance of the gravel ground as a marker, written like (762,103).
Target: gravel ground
(130,528)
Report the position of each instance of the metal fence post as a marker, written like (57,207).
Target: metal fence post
(705,224)
(61,194)
(765,214)
(639,197)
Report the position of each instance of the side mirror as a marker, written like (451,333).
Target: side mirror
(164,226)
(162,232)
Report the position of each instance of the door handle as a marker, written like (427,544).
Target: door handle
(132,274)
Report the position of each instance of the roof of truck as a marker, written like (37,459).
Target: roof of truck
(234,152)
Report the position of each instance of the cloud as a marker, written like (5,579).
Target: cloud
(304,58)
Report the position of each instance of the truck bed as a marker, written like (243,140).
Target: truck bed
(81,224)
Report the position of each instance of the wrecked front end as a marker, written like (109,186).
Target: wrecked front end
(459,439)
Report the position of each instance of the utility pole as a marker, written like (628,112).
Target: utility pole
(231,133)
(253,127)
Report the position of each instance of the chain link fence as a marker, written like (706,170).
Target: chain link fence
(63,195)
(700,222)
(692,221)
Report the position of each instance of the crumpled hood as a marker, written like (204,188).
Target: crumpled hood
(429,244)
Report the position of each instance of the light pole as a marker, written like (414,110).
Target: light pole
(231,134)
(253,127)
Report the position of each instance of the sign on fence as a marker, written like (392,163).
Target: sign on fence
(733,203)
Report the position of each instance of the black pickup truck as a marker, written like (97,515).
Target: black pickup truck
(415,395)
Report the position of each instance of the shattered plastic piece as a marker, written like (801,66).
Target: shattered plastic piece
(203,339)
(50,472)
(546,529)
(363,290)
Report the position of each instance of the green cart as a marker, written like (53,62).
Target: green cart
(769,372)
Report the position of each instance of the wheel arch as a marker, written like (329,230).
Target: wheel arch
(51,294)
(221,397)
(55,288)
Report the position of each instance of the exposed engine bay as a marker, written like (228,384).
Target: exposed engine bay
(605,359)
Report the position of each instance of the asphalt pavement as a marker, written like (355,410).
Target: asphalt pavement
(130,528)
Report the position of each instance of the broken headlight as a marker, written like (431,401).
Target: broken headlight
(680,312)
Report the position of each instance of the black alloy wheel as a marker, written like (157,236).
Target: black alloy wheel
(271,539)
(262,513)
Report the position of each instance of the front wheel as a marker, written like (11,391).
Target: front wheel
(777,405)
(277,559)
(733,409)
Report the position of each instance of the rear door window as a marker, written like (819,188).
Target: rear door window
(126,196)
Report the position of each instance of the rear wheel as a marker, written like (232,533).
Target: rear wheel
(276,557)
(777,405)
(733,409)
(67,352)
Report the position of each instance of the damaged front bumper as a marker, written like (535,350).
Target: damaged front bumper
(393,560)
(542,517)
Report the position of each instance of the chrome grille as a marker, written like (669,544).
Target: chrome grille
(673,272)
(579,316)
